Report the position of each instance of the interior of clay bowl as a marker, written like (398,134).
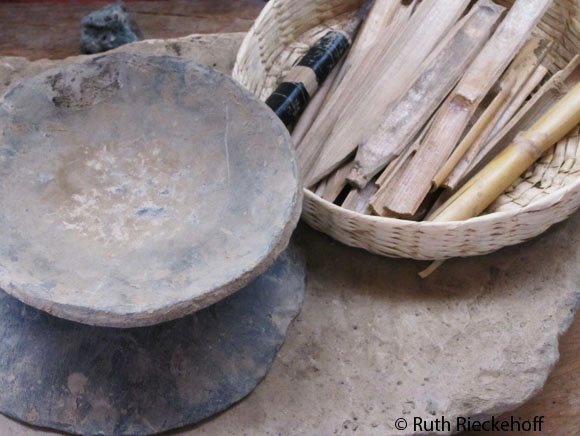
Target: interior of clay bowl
(134,189)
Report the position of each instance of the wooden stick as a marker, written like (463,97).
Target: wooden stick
(336,182)
(397,66)
(311,112)
(479,129)
(455,181)
(396,166)
(319,189)
(515,78)
(380,17)
(431,269)
(551,92)
(454,115)
(358,200)
(405,117)
(479,192)
(291,97)
(519,99)
(532,83)
(383,24)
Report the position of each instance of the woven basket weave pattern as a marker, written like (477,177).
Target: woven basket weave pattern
(548,193)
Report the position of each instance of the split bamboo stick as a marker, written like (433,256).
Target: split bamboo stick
(454,115)
(458,175)
(336,182)
(358,199)
(440,73)
(397,66)
(514,79)
(552,91)
(474,135)
(311,112)
(396,168)
(520,98)
(480,191)
(496,115)
(383,24)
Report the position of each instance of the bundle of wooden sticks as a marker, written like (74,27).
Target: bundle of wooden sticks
(437,109)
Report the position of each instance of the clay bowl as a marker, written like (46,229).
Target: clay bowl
(135,190)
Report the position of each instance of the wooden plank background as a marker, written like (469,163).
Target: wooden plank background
(50,29)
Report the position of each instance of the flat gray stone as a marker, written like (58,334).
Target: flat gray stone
(95,380)
(138,189)
(375,343)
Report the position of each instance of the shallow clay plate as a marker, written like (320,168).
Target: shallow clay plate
(134,190)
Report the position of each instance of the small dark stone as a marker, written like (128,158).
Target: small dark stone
(107,28)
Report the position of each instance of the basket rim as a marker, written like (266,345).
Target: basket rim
(541,204)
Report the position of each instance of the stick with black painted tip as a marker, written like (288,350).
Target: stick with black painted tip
(292,96)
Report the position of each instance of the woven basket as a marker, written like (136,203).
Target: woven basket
(547,194)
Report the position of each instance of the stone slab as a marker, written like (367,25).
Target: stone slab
(375,343)
(95,380)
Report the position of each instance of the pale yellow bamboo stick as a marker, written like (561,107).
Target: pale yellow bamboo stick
(523,66)
(552,91)
(479,192)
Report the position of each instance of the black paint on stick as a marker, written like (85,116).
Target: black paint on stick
(289,99)
(323,56)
